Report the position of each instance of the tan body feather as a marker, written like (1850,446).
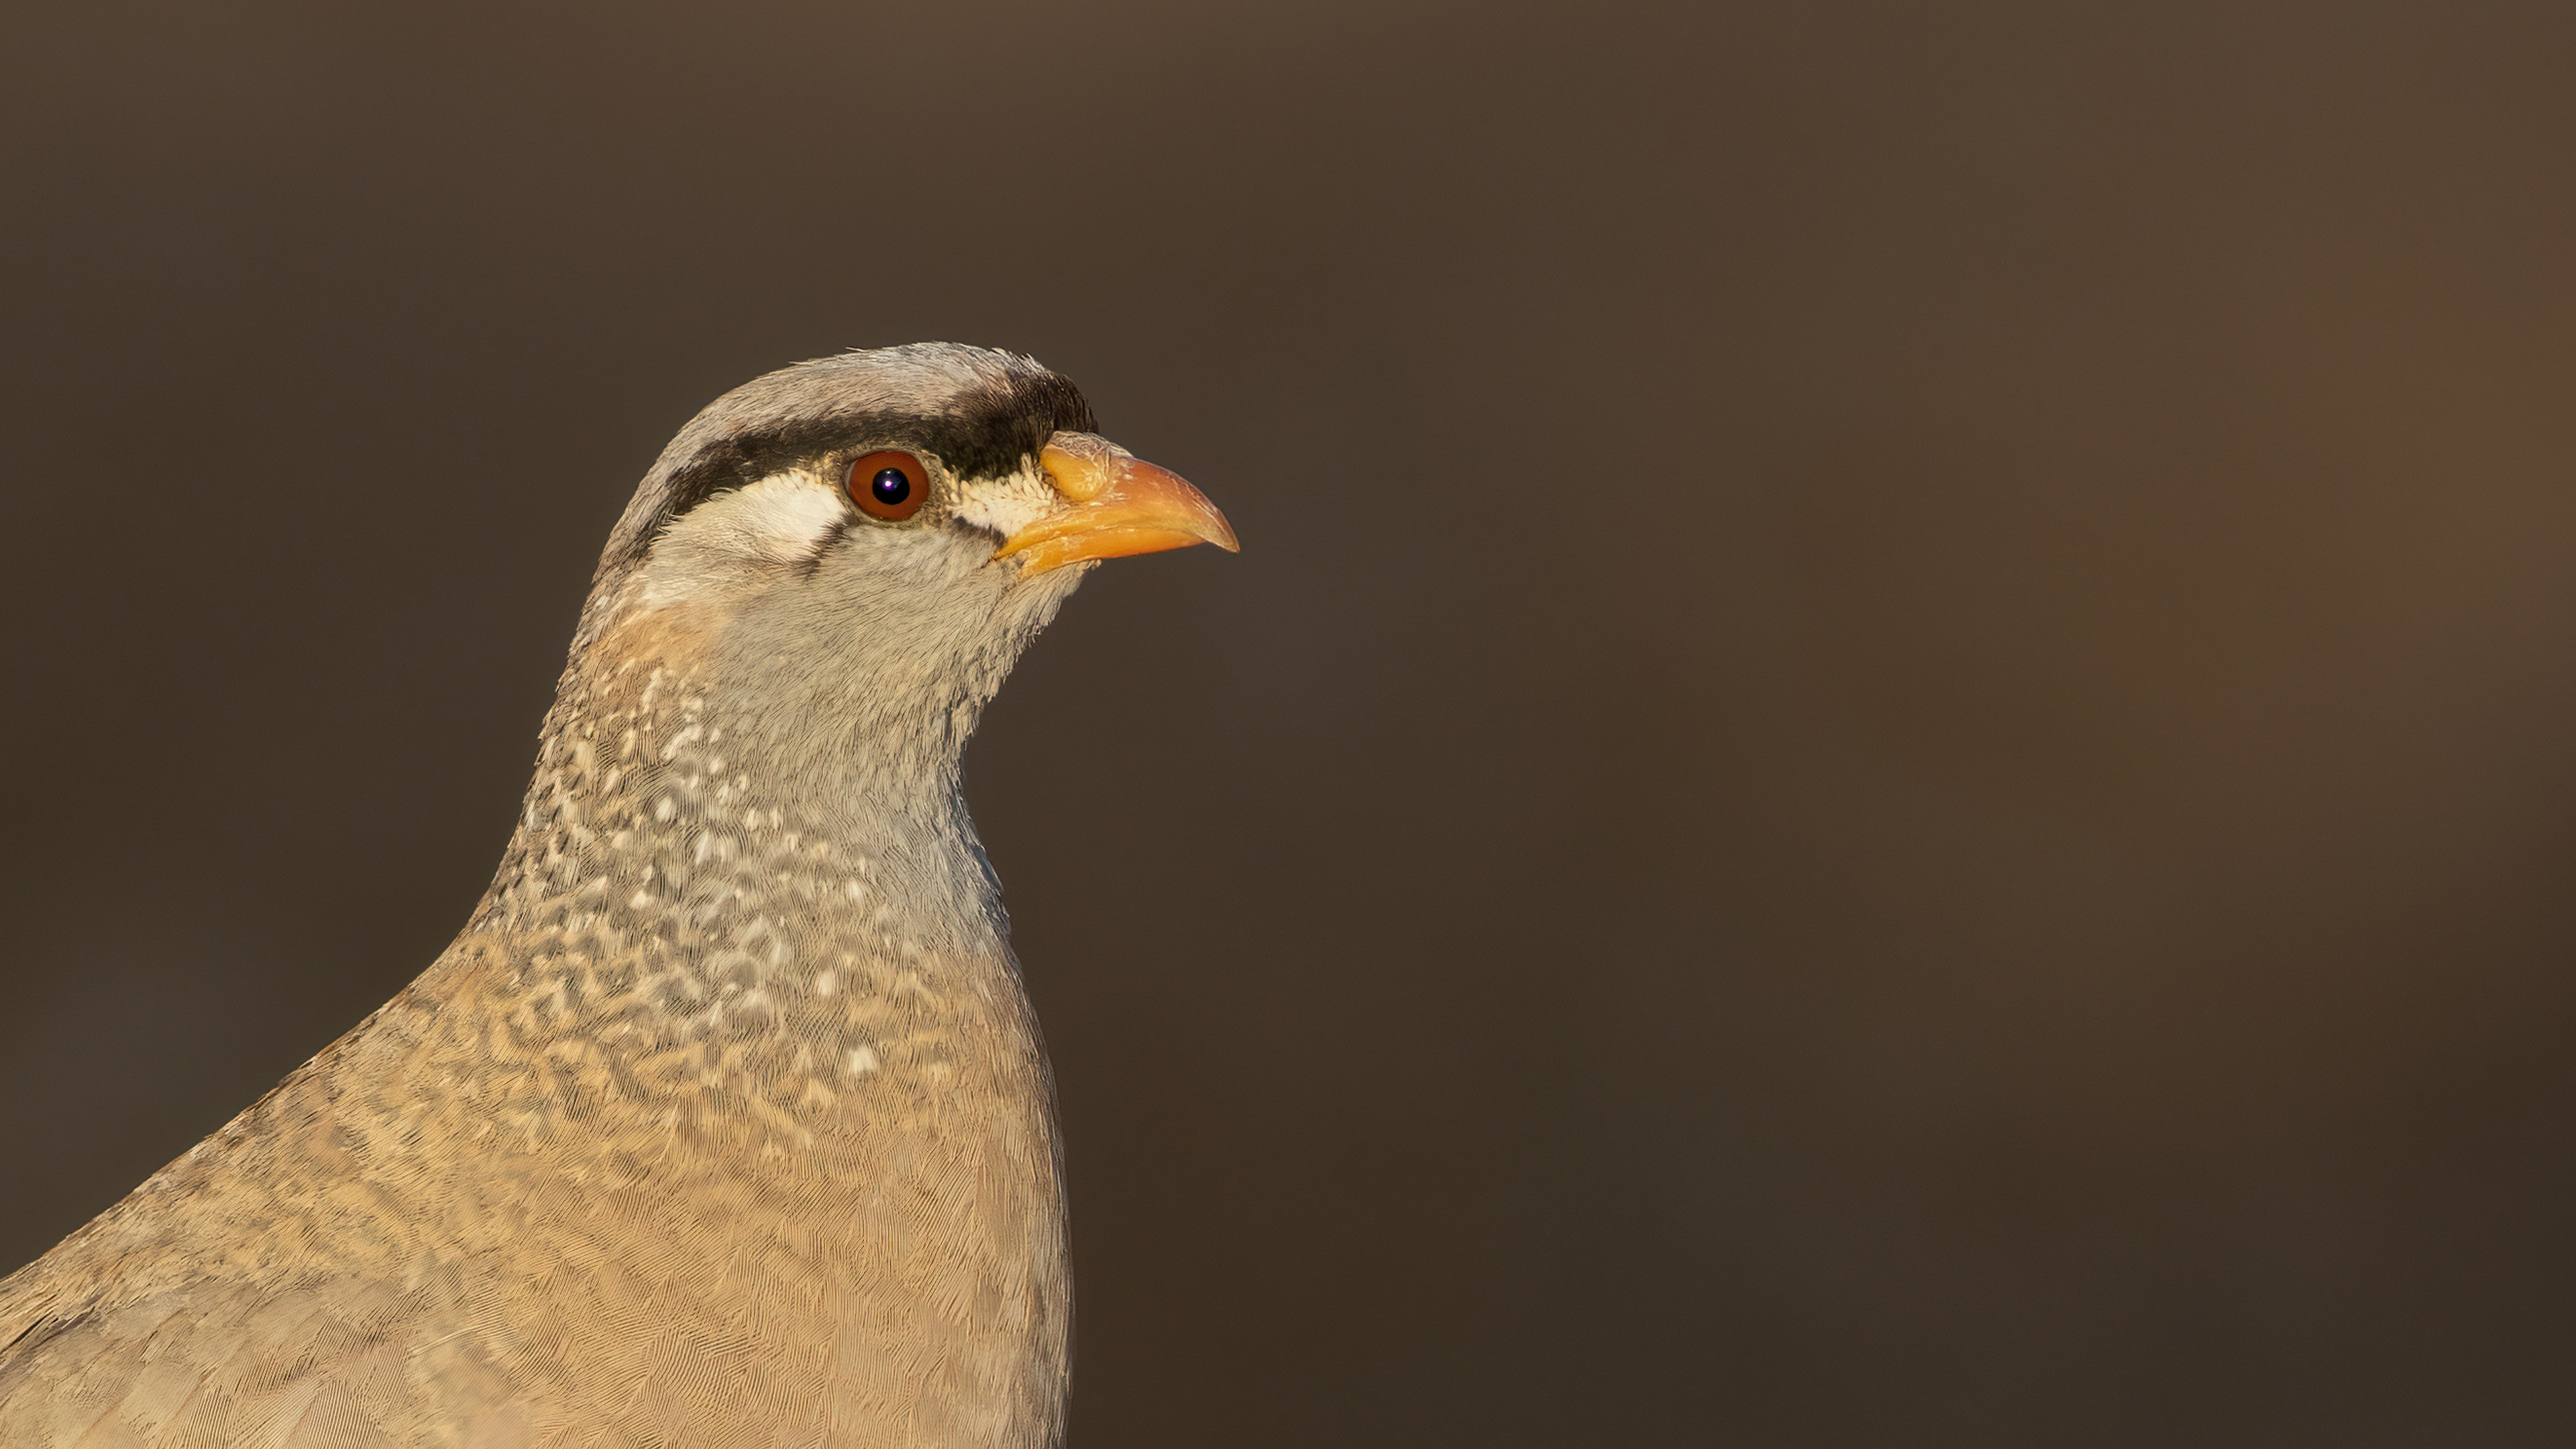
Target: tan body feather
(676,1145)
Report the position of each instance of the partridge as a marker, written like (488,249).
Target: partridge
(725,1121)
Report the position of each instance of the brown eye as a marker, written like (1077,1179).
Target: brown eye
(891,486)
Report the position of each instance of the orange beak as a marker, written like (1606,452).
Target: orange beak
(1115,504)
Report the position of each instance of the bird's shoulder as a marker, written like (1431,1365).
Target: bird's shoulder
(284,1283)
(255,1280)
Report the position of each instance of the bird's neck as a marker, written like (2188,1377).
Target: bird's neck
(754,975)
(670,788)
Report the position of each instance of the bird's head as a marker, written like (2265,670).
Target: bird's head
(865,543)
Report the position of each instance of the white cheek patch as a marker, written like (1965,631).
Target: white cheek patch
(741,539)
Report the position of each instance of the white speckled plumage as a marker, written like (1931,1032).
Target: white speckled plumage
(725,1121)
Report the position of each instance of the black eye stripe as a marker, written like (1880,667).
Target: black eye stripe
(988,431)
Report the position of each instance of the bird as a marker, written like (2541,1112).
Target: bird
(725,1120)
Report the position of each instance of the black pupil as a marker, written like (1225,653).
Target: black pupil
(890,486)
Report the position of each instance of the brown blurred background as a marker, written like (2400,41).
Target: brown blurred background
(1890,763)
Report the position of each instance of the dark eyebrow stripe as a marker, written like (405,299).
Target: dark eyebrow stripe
(994,430)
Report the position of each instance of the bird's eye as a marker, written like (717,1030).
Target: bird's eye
(891,486)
